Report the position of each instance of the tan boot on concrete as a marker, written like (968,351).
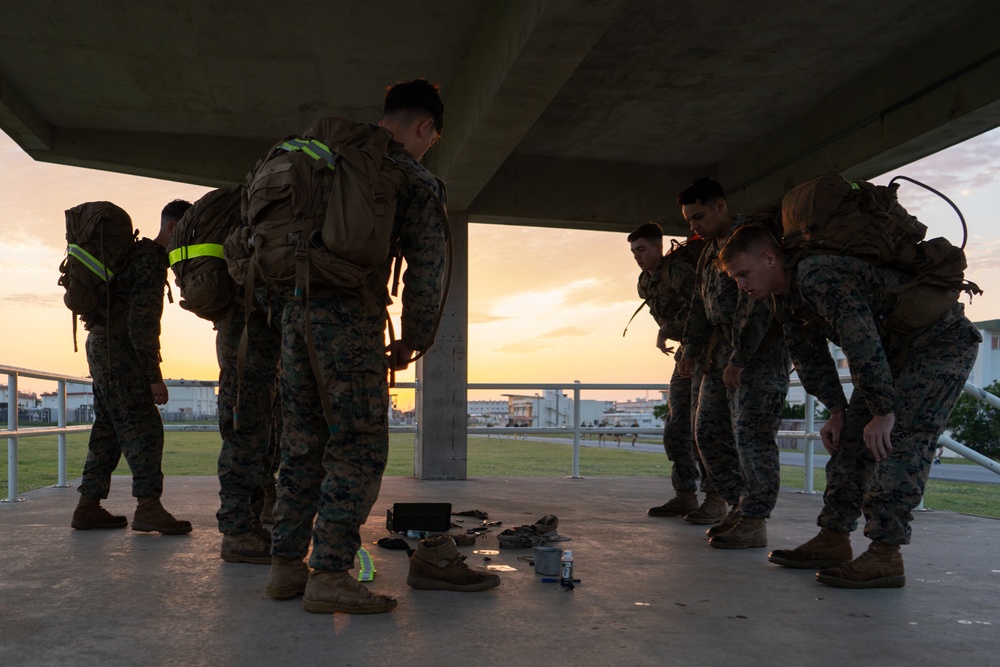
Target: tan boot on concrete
(828,549)
(728,522)
(246,548)
(712,510)
(879,567)
(328,592)
(150,517)
(749,532)
(681,504)
(287,578)
(89,515)
(436,565)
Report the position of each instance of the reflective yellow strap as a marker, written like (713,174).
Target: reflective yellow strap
(196,250)
(90,262)
(317,150)
(366,569)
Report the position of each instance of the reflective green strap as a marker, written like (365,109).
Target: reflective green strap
(90,262)
(366,569)
(196,250)
(317,150)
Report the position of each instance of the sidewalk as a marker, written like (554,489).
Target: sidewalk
(652,591)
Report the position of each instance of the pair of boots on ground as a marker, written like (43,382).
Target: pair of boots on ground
(435,565)
(150,517)
(253,546)
(732,529)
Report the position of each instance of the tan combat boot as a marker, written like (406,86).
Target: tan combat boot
(879,567)
(681,504)
(287,578)
(89,514)
(828,549)
(748,532)
(150,517)
(328,592)
(248,547)
(728,522)
(713,509)
(436,565)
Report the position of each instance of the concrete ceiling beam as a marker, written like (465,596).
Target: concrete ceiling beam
(21,121)
(520,59)
(582,194)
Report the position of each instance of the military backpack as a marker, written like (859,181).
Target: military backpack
(832,215)
(196,253)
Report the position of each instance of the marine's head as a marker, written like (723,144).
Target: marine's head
(704,206)
(647,246)
(414,113)
(752,257)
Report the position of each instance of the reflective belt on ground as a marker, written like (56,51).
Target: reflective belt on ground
(317,150)
(366,567)
(90,262)
(196,250)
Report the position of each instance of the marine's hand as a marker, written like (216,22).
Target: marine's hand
(686,367)
(160,393)
(661,345)
(830,433)
(731,376)
(400,355)
(877,435)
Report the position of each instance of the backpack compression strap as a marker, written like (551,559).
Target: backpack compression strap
(91,262)
(317,150)
(195,251)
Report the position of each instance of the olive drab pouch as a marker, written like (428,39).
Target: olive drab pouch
(197,257)
(100,240)
(832,215)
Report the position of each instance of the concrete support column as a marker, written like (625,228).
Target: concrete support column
(441,447)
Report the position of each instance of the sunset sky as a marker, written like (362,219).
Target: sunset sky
(545,305)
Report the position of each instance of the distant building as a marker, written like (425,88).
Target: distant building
(552,409)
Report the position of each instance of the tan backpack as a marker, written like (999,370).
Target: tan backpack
(831,215)
(320,209)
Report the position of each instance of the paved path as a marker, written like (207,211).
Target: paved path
(945,472)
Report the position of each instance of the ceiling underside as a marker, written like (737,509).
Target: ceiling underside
(560,113)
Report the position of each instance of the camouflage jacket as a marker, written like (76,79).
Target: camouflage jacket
(843,300)
(668,291)
(723,320)
(140,288)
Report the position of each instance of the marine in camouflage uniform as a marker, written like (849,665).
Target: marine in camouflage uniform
(667,289)
(330,474)
(123,354)
(736,426)
(245,416)
(904,386)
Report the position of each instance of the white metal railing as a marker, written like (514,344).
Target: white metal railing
(808,434)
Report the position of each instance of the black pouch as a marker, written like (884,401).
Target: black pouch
(435,517)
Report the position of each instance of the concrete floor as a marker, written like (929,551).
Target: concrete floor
(652,591)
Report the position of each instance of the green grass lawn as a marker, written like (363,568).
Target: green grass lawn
(196,453)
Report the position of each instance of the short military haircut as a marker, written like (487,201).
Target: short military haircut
(704,190)
(650,230)
(416,96)
(174,210)
(747,239)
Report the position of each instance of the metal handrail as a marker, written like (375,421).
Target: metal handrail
(808,434)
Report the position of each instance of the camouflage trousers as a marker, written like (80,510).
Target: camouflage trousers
(245,412)
(736,430)
(927,387)
(678,438)
(127,421)
(330,475)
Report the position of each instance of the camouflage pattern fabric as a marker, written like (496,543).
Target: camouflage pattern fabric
(330,475)
(668,291)
(124,367)
(919,379)
(736,430)
(246,456)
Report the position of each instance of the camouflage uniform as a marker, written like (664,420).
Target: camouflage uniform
(331,474)
(246,456)
(735,430)
(668,291)
(124,360)
(918,378)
